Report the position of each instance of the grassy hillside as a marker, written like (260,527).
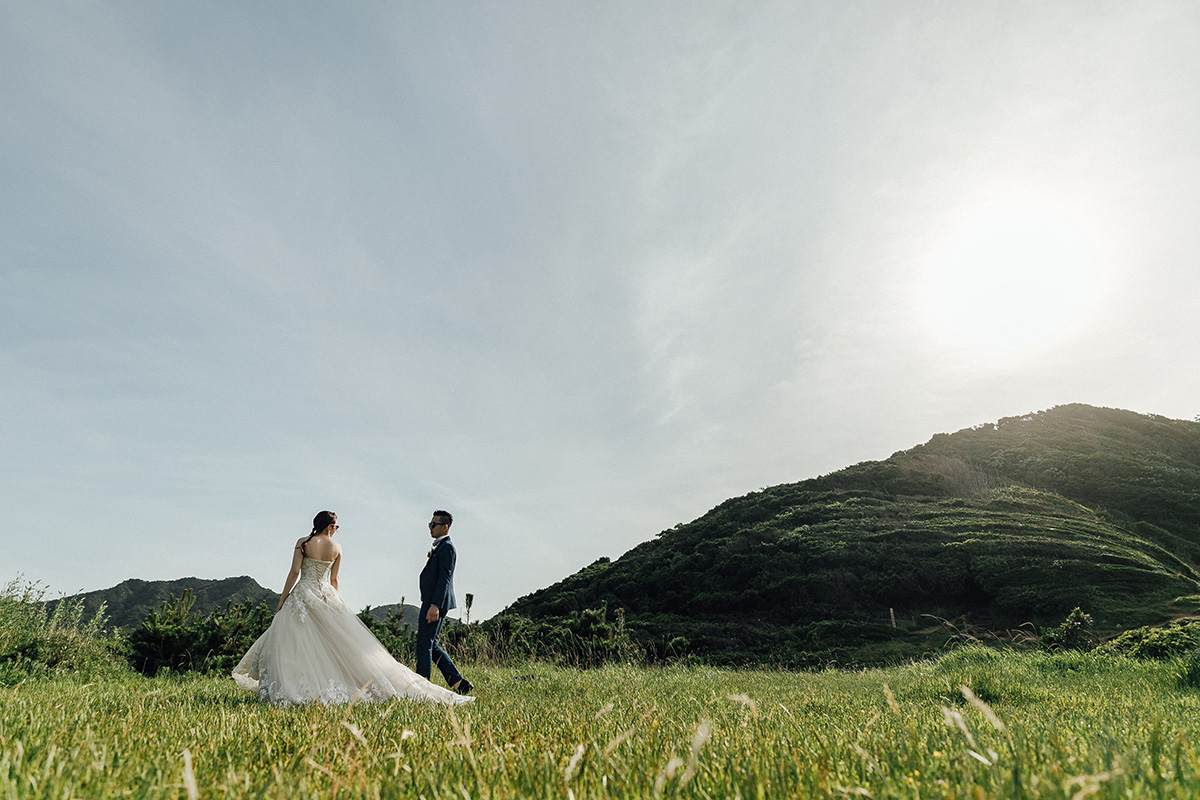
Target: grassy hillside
(1143,471)
(1000,525)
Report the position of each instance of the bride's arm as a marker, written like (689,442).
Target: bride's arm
(333,571)
(297,559)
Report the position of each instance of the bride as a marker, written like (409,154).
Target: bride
(316,650)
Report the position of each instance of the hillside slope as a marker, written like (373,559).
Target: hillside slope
(1000,525)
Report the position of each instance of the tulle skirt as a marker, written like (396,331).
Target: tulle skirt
(318,651)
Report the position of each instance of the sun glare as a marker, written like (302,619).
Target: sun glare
(1011,276)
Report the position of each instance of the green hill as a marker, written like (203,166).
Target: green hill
(994,526)
(128,603)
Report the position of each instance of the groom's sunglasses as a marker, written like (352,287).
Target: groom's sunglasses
(433,525)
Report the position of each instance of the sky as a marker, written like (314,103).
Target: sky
(576,272)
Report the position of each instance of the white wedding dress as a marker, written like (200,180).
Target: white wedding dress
(318,651)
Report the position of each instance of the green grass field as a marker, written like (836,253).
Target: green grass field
(1062,726)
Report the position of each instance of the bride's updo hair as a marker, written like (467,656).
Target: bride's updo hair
(320,522)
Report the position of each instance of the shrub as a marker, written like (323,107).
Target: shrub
(1073,633)
(584,638)
(36,641)
(181,639)
(1160,642)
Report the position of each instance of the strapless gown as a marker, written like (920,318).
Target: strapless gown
(318,651)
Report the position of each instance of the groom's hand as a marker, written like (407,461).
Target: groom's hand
(431,616)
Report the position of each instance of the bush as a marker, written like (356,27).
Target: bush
(584,638)
(1161,642)
(1073,633)
(181,639)
(36,641)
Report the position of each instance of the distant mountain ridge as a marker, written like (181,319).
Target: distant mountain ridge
(408,613)
(998,525)
(128,603)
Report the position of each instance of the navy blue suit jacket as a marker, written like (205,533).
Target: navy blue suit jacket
(437,579)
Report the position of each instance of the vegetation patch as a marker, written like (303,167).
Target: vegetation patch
(1000,526)
(1028,725)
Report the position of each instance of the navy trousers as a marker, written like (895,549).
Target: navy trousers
(430,653)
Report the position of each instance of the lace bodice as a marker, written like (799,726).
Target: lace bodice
(314,571)
(311,589)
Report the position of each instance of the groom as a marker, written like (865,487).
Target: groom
(437,598)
